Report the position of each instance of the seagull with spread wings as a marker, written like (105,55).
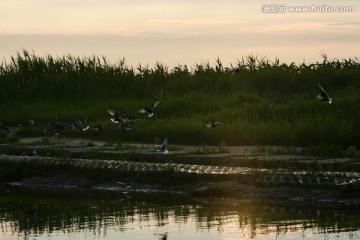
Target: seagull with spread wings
(149,110)
(323,96)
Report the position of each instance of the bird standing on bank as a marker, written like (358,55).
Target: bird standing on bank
(81,125)
(162,148)
(54,127)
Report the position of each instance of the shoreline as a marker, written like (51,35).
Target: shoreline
(211,174)
(203,190)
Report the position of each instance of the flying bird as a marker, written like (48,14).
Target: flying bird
(213,124)
(115,116)
(149,110)
(323,96)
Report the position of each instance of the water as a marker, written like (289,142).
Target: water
(68,214)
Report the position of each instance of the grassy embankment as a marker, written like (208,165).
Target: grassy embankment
(264,103)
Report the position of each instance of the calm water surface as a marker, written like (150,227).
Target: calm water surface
(59,214)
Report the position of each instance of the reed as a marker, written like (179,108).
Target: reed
(258,100)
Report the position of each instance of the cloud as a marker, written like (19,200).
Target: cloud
(219,20)
(346,25)
(171,30)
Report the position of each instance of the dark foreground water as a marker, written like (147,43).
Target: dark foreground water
(59,214)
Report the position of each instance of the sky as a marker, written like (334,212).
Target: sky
(182,32)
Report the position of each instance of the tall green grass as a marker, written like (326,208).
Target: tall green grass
(258,100)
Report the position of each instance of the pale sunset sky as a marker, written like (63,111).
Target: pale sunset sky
(179,32)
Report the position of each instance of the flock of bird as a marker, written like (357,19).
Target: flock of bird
(125,122)
(55,126)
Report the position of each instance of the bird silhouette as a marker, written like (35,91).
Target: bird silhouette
(213,124)
(149,110)
(115,116)
(54,127)
(81,125)
(163,146)
(323,96)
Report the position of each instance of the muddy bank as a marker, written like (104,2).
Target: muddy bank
(222,189)
(189,170)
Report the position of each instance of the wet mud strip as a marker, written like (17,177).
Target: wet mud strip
(244,171)
(179,178)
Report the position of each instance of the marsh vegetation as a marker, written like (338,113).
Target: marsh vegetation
(259,101)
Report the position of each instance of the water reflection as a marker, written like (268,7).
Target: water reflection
(34,214)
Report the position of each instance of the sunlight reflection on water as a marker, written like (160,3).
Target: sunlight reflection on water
(101,215)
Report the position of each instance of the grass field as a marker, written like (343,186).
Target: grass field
(259,101)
